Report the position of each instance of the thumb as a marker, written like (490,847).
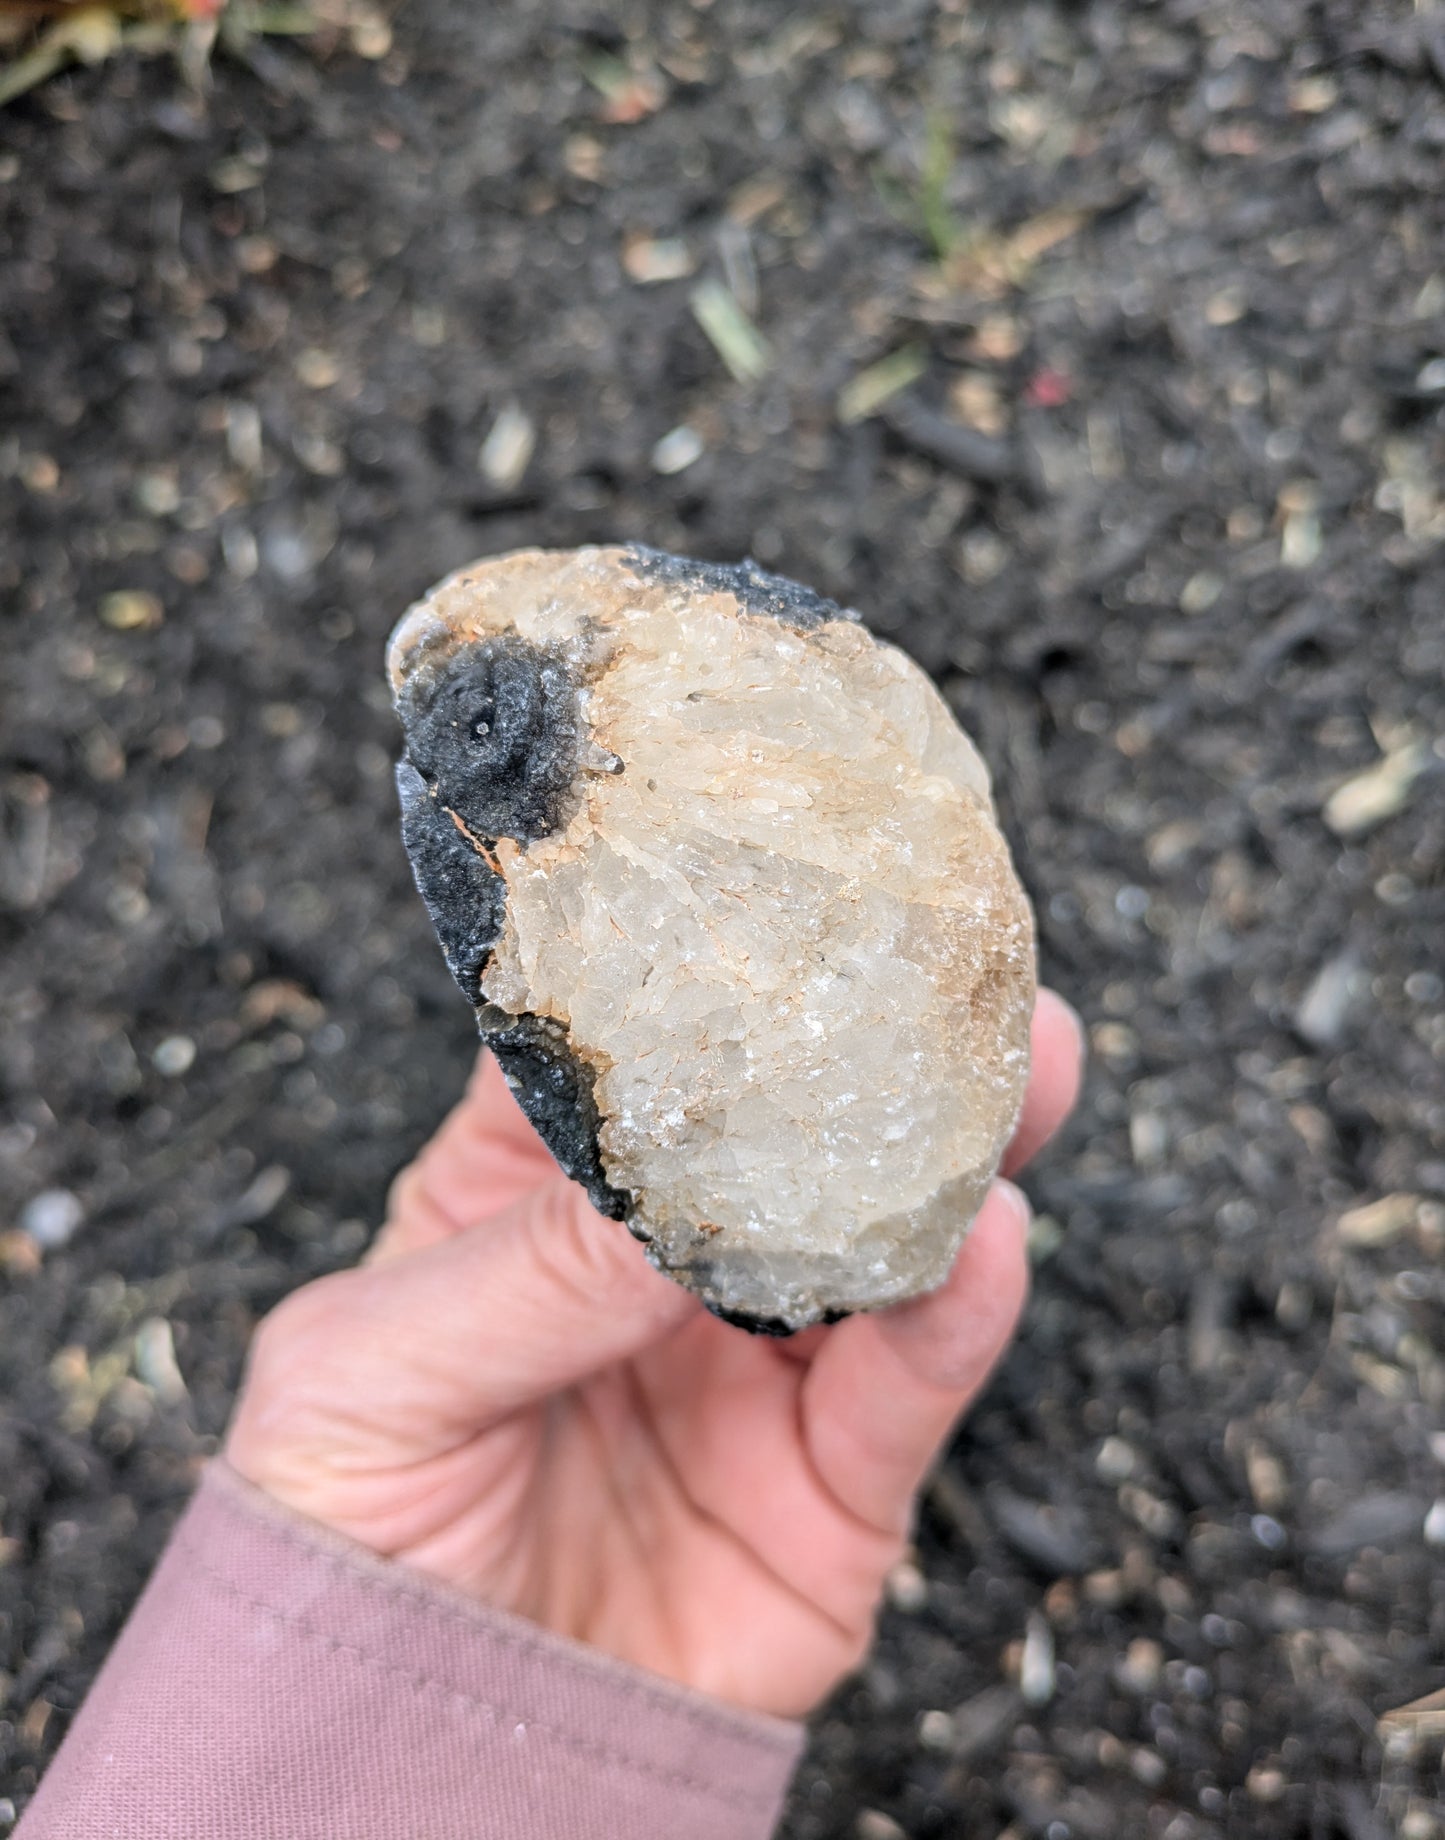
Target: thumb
(421,1350)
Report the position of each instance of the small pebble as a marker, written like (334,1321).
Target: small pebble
(1116,1460)
(371,36)
(155,1360)
(1107,1589)
(1268,1481)
(1200,592)
(1378,793)
(39,473)
(507,451)
(1142,1665)
(174,1056)
(1158,1518)
(1148,1139)
(317,369)
(906,1586)
(1037,1676)
(1226,307)
(157,493)
(20,1257)
(130,610)
(207,732)
(51,1218)
(1378,1222)
(261,1198)
(1267,1531)
(1265,1783)
(936,1731)
(677,451)
(1313,95)
(650,259)
(873,1824)
(1435,1523)
(1432,376)
(1325,1007)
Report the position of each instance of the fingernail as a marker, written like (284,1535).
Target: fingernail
(1017,1200)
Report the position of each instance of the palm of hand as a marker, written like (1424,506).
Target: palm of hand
(509,1398)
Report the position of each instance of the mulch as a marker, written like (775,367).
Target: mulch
(1152,488)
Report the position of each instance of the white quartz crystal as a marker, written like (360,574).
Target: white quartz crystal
(776,920)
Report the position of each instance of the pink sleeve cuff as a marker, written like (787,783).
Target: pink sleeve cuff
(277,1681)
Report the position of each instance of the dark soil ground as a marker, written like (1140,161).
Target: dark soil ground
(1182,577)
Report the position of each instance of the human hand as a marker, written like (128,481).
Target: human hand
(508,1397)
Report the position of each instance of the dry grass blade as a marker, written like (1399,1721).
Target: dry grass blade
(733,336)
(866,393)
(990,263)
(85,34)
(30,70)
(39,38)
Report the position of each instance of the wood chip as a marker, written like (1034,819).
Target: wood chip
(650,259)
(20,1257)
(1378,793)
(990,263)
(1377,1223)
(131,610)
(1420,1718)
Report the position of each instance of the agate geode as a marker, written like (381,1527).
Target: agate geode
(721,876)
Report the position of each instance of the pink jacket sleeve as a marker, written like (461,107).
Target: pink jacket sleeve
(279,1683)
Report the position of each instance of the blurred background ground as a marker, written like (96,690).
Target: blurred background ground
(1148,479)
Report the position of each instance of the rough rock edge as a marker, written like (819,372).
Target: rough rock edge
(760,1325)
(450,826)
(554,1087)
(755,590)
(464,896)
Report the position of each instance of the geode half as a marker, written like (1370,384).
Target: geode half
(722,878)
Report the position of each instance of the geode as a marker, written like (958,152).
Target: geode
(722,878)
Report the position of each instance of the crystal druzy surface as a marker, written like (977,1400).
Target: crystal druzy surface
(721,875)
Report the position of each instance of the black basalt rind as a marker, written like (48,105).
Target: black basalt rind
(755,589)
(464,895)
(767,1325)
(554,1086)
(755,1325)
(492,736)
(493,729)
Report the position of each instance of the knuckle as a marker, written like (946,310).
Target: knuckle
(582,1256)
